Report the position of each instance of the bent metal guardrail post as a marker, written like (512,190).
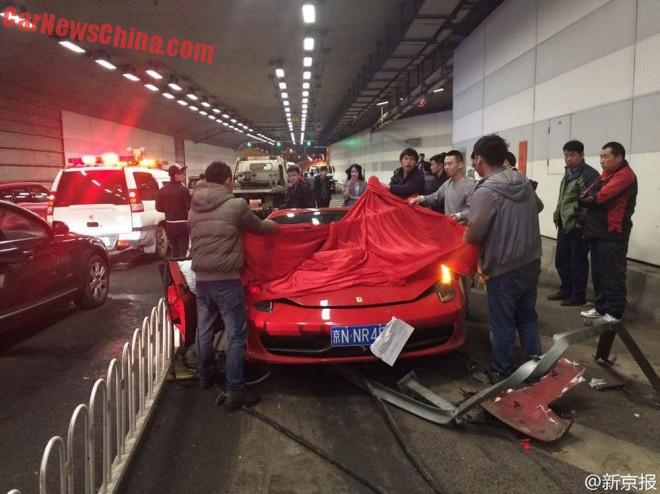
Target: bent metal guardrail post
(125,400)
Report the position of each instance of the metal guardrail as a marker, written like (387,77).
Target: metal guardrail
(124,401)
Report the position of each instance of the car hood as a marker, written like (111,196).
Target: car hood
(364,296)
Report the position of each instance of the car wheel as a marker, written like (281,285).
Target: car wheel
(161,243)
(96,283)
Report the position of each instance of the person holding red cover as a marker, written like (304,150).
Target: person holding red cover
(408,180)
(610,203)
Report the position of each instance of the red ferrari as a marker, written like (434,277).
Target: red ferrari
(339,326)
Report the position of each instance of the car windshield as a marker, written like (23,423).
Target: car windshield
(92,187)
(312,217)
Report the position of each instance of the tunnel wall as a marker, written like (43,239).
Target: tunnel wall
(546,71)
(31,145)
(200,155)
(378,152)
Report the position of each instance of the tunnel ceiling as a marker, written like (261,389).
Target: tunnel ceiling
(362,50)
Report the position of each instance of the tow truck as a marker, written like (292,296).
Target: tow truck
(261,181)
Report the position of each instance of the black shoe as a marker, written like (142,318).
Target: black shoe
(573,302)
(558,296)
(215,380)
(244,398)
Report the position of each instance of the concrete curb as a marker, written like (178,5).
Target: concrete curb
(643,283)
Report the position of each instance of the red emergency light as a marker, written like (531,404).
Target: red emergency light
(112,159)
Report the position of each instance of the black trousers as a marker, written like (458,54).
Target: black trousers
(572,263)
(323,203)
(608,273)
(178,238)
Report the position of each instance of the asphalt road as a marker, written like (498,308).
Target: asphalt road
(45,376)
(191,446)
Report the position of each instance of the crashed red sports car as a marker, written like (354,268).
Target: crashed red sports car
(325,286)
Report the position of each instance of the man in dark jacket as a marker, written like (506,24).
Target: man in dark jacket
(300,194)
(322,192)
(217,219)
(571,252)
(173,199)
(408,180)
(504,222)
(610,203)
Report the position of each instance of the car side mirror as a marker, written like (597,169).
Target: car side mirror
(60,228)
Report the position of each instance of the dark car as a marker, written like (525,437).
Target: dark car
(43,264)
(30,195)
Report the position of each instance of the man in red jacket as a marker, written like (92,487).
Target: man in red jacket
(610,203)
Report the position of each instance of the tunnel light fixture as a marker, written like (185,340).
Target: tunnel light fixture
(305,94)
(309,13)
(307,61)
(308,44)
(211,117)
(215,110)
(130,75)
(206,104)
(225,124)
(305,100)
(381,103)
(192,96)
(168,95)
(438,90)
(193,108)
(151,87)
(233,120)
(279,72)
(174,86)
(182,102)
(224,115)
(285,103)
(285,95)
(153,73)
(105,63)
(202,112)
(306,85)
(307,75)
(282,85)
(71,46)
(303,106)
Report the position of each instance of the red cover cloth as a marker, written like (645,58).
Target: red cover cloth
(382,241)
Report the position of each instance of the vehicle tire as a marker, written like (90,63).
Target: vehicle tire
(161,243)
(95,284)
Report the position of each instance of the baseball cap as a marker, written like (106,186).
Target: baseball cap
(175,169)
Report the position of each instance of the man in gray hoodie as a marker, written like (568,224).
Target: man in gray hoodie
(504,222)
(217,219)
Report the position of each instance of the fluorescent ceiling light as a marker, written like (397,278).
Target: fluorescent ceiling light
(381,103)
(174,86)
(105,64)
(305,94)
(72,46)
(224,115)
(131,76)
(303,106)
(215,110)
(285,103)
(203,113)
(279,72)
(282,85)
(182,102)
(306,85)
(308,44)
(440,89)
(152,73)
(193,108)
(168,95)
(307,75)
(305,100)
(192,96)
(225,124)
(285,95)
(211,117)
(150,87)
(307,61)
(206,104)
(309,13)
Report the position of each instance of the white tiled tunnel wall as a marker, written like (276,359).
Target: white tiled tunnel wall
(545,71)
(201,155)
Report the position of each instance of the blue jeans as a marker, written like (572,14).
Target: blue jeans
(511,310)
(225,298)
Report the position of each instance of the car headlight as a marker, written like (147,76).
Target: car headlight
(444,287)
(264,306)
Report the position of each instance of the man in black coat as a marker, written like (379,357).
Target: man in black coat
(408,180)
(300,194)
(173,199)
(322,192)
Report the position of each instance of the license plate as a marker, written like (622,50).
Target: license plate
(355,335)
